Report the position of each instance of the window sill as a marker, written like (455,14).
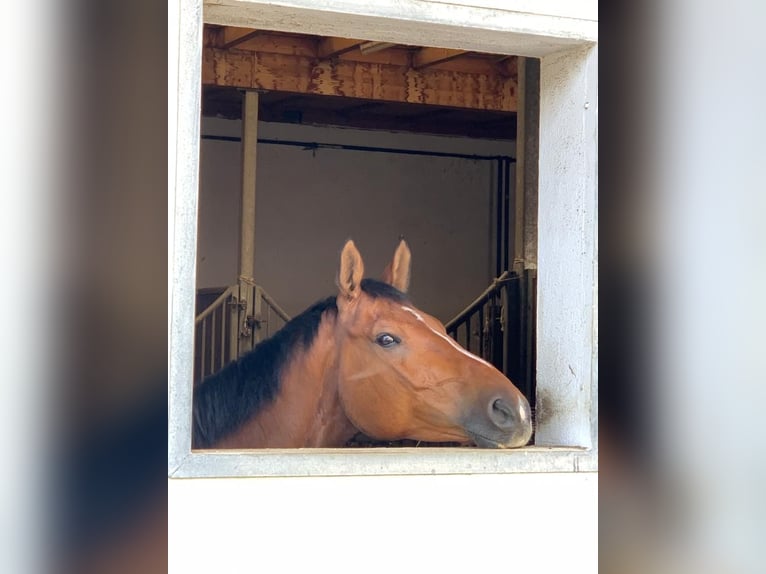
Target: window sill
(382,461)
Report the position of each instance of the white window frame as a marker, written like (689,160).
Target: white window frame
(564,36)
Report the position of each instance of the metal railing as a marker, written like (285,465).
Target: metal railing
(499,326)
(263,316)
(239,318)
(479,326)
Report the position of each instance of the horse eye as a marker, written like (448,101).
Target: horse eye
(386,340)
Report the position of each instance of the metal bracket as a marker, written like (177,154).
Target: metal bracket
(240,304)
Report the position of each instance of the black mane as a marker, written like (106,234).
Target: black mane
(226,400)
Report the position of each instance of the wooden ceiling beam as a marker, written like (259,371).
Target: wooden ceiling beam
(426,57)
(381,82)
(508,66)
(235,36)
(334,47)
(373,47)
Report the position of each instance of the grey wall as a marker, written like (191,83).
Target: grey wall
(310,201)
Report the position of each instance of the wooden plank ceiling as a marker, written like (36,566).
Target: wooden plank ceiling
(358,83)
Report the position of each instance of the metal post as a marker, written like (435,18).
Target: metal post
(507,232)
(521,162)
(499,207)
(247,211)
(527,160)
(247,215)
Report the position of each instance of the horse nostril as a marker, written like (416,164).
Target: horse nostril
(501,413)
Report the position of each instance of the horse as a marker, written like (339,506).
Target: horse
(363,361)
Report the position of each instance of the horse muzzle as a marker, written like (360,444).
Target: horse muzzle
(501,422)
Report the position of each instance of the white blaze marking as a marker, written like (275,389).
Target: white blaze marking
(450,340)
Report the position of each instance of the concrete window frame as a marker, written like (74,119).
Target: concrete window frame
(564,37)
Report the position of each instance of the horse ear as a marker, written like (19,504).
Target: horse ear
(397,272)
(351,271)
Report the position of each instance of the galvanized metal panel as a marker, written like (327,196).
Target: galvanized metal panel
(566,281)
(505,29)
(184,149)
(383,461)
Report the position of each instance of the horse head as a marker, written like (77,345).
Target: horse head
(401,375)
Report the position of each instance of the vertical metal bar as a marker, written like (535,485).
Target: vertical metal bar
(222,311)
(210,343)
(531,334)
(255,331)
(521,164)
(258,314)
(481,331)
(244,341)
(469,334)
(531,135)
(506,213)
(505,297)
(488,318)
(499,218)
(523,324)
(203,354)
(247,209)
(221,337)
(234,324)
(213,347)
(197,376)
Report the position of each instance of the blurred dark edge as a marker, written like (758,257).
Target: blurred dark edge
(628,493)
(109,485)
(113,474)
(625,272)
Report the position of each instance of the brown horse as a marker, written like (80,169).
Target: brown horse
(366,360)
